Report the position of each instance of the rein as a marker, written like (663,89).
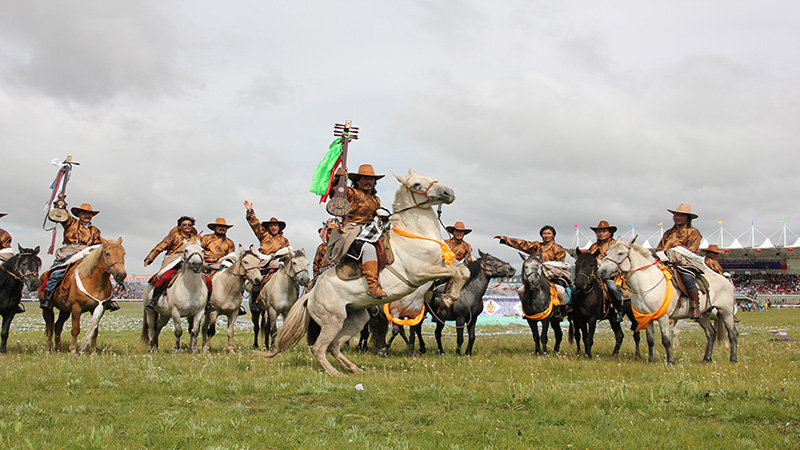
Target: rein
(18,276)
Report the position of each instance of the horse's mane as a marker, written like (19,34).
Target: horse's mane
(474,267)
(88,263)
(645,253)
(584,259)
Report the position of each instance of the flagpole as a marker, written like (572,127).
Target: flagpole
(721,245)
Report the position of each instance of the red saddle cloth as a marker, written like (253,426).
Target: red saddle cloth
(166,277)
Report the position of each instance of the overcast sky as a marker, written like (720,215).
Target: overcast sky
(534,112)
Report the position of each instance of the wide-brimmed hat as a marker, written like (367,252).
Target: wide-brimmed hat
(458,226)
(220,222)
(714,249)
(281,224)
(604,225)
(364,170)
(684,209)
(84,207)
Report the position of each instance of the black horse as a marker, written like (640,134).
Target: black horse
(589,306)
(22,268)
(535,298)
(465,310)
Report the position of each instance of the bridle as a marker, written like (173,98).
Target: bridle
(589,278)
(296,274)
(105,260)
(15,271)
(413,193)
(628,258)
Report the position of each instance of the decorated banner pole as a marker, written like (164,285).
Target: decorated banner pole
(326,171)
(57,205)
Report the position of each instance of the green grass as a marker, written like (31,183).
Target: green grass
(501,397)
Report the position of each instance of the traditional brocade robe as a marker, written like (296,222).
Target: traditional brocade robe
(216,247)
(550,252)
(269,243)
(682,235)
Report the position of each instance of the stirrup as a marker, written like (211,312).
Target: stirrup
(375,295)
(152,303)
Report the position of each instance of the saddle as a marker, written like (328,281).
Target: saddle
(677,281)
(350,269)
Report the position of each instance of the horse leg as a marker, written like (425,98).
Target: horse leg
(471,334)
(412,352)
(651,343)
(711,336)
(49,319)
(460,322)
(619,336)
(157,324)
(733,335)
(176,322)
(273,325)
(204,331)
(558,333)
(438,334)
(7,317)
(396,329)
(266,331)
(256,318)
(663,325)
(535,331)
(76,328)
(588,339)
(636,338)
(545,326)
(59,327)
(194,329)
(231,329)
(330,318)
(418,330)
(352,324)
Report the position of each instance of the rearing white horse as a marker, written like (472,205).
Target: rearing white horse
(338,306)
(653,295)
(279,293)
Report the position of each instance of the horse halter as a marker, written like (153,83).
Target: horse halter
(628,257)
(590,278)
(413,193)
(105,260)
(15,271)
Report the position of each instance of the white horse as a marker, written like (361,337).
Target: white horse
(186,297)
(279,293)
(227,294)
(650,294)
(338,307)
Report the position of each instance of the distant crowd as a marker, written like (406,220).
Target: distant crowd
(767,284)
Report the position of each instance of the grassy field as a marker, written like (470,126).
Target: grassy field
(502,397)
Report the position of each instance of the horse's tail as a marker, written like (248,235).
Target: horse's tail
(294,327)
(145,337)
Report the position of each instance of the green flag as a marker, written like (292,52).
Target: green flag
(322,174)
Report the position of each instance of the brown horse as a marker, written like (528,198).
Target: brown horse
(86,287)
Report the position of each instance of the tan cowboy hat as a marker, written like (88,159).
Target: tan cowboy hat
(458,226)
(84,207)
(604,225)
(281,224)
(220,222)
(684,209)
(714,249)
(364,170)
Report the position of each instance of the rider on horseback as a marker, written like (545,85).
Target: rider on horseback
(79,233)
(6,253)
(172,244)
(368,221)
(712,259)
(216,247)
(605,238)
(270,234)
(457,243)
(682,234)
(551,254)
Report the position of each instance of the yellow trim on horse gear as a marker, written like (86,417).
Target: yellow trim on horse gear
(643,319)
(447,254)
(554,301)
(404,322)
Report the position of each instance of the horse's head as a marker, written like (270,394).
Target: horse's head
(617,259)
(585,269)
(296,264)
(250,264)
(193,255)
(496,267)
(533,271)
(421,191)
(114,259)
(27,267)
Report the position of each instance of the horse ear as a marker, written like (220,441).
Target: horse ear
(411,173)
(481,254)
(401,179)
(119,241)
(20,248)
(103,241)
(36,250)
(633,240)
(524,257)
(596,253)
(578,251)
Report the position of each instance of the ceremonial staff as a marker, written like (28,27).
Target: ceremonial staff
(57,206)
(326,171)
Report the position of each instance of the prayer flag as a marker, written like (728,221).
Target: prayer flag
(320,184)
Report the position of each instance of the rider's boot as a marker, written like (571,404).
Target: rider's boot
(242,311)
(370,270)
(157,291)
(20,309)
(46,301)
(209,306)
(695,300)
(112,306)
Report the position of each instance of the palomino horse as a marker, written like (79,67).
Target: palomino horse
(227,294)
(185,297)
(537,303)
(86,287)
(589,306)
(420,255)
(279,293)
(21,269)
(655,298)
